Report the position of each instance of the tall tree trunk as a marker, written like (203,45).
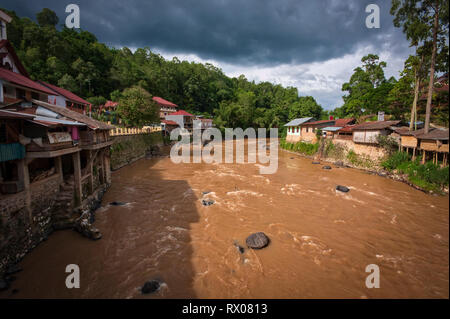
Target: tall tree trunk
(416,96)
(433,62)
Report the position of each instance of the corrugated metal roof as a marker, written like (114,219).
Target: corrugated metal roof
(331,128)
(90,122)
(57,121)
(299,121)
(320,122)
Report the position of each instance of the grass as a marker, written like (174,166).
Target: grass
(428,176)
(301,147)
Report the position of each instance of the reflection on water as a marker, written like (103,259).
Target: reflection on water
(321,240)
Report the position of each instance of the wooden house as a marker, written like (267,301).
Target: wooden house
(436,142)
(368,132)
(65,98)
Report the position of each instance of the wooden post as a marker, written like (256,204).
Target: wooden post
(423,157)
(107,166)
(90,169)
(77,178)
(58,168)
(414,154)
(24,176)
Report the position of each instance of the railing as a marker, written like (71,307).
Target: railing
(133,130)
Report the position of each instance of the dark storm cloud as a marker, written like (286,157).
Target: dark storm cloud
(243,32)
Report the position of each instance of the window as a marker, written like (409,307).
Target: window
(20,94)
(35,96)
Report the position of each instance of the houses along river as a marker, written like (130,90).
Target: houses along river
(321,240)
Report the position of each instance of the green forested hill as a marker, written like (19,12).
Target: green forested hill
(75,60)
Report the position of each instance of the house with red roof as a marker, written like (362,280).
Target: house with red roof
(165,107)
(65,98)
(182,118)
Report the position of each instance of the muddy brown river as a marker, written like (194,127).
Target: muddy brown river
(321,240)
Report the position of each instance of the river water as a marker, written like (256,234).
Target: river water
(321,240)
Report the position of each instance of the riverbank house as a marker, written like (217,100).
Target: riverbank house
(165,107)
(293,134)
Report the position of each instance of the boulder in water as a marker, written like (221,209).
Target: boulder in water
(257,240)
(326,167)
(207,202)
(206,192)
(117,203)
(150,287)
(315,162)
(342,188)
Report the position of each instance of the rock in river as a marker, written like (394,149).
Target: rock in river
(342,188)
(207,202)
(326,167)
(315,162)
(257,240)
(150,287)
(117,203)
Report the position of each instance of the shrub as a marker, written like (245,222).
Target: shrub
(395,160)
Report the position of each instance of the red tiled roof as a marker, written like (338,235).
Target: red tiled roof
(181,112)
(10,49)
(67,94)
(168,122)
(161,101)
(22,80)
(347,128)
(111,104)
(318,122)
(342,122)
(375,125)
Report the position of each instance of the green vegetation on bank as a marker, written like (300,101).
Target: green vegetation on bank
(428,176)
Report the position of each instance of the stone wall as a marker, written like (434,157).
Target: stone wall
(373,152)
(129,148)
(17,234)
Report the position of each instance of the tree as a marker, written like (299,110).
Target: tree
(422,22)
(136,107)
(47,17)
(367,88)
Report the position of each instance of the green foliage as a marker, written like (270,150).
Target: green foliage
(395,160)
(428,176)
(367,89)
(332,150)
(388,143)
(136,107)
(301,147)
(47,18)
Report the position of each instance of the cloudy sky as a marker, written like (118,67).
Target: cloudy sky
(313,45)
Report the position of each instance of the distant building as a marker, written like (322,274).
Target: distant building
(368,132)
(182,118)
(165,107)
(65,98)
(333,131)
(309,129)
(294,129)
